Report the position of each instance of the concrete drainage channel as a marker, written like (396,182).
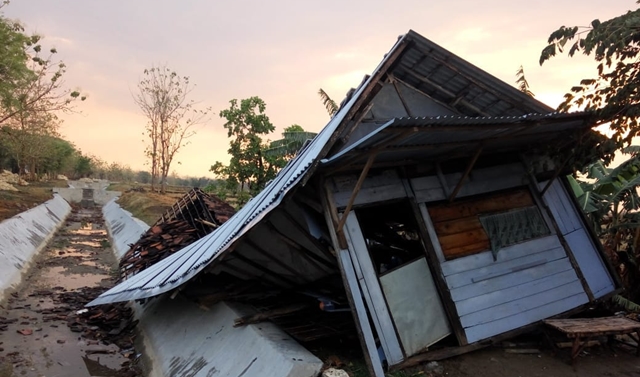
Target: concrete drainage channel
(46,331)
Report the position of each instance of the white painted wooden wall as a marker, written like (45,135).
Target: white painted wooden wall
(573,229)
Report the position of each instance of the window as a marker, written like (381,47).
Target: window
(487,222)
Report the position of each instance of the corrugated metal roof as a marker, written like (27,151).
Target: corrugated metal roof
(444,135)
(425,59)
(177,269)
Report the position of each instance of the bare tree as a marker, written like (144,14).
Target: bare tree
(163,98)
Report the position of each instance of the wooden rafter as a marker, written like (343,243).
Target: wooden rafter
(465,174)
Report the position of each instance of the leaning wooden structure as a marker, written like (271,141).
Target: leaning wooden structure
(432,197)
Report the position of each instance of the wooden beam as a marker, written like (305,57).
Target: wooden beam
(389,62)
(266,315)
(538,197)
(356,190)
(465,174)
(352,289)
(404,103)
(442,179)
(357,120)
(448,93)
(435,266)
(332,211)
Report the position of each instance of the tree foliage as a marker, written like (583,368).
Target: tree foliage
(293,139)
(613,93)
(523,84)
(329,104)
(163,97)
(32,94)
(250,168)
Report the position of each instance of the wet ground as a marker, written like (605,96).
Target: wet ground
(44,328)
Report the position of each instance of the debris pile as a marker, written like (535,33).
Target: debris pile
(111,324)
(8,179)
(192,217)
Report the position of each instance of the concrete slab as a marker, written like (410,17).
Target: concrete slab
(24,235)
(124,229)
(182,339)
(74,195)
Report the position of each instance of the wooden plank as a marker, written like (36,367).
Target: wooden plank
(372,291)
(473,236)
(523,318)
(592,267)
(566,218)
(521,267)
(415,304)
(491,299)
(506,253)
(480,181)
(587,225)
(503,282)
(433,237)
(433,258)
(487,204)
(362,319)
(455,226)
(375,188)
(524,303)
(579,327)
(352,290)
(465,278)
(466,250)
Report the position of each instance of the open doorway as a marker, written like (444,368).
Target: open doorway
(392,237)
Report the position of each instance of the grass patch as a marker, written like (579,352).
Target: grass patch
(105,244)
(15,202)
(148,206)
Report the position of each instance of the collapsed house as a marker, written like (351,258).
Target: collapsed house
(190,218)
(429,207)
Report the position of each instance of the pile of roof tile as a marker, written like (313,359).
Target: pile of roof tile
(192,217)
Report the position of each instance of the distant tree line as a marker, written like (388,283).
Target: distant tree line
(32,94)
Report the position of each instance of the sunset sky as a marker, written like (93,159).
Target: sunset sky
(282,51)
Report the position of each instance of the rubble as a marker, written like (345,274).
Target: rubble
(192,217)
(4,186)
(62,177)
(333,372)
(12,179)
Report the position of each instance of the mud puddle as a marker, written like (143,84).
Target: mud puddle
(45,329)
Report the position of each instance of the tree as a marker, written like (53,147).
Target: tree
(249,168)
(329,104)
(523,84)
(163,98)
(613,94)
(293,138)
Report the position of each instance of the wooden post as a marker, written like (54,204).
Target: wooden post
(436,268)
(354,296)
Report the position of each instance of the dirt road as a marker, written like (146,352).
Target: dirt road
(44,329)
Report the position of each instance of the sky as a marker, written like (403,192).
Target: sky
(280,50)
